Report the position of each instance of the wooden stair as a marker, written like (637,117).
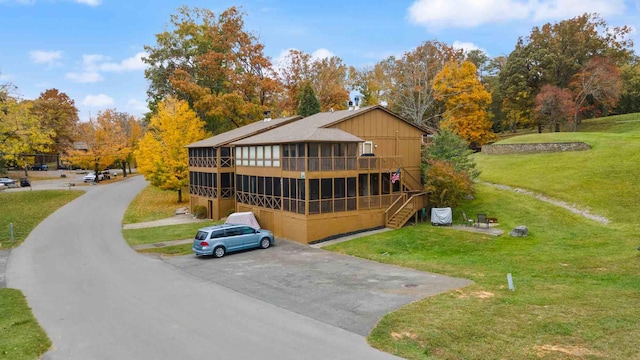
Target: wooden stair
(404,208)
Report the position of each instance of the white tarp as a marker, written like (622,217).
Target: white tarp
(244,218)
(441,216)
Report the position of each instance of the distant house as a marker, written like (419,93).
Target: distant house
(308,179)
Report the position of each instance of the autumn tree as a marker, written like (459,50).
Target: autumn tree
(213,64)
(466,101)
(562,49)
(553,54)
(554,106)
(308,103)
(447,187)
(411,93)
(99,141)
(161,156)
(57,112)
(600,82)
(327,76)
(21,132)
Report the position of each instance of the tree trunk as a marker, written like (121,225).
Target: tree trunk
(124,169)
(179,195)
(557,127)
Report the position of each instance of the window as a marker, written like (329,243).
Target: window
(326,191)
(246,230)
(367,147)
(314,189)
(338,188)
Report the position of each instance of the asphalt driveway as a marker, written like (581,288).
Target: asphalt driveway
(339,290)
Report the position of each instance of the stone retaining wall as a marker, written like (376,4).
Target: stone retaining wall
(503,149)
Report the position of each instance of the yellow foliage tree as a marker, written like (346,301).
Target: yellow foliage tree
(161,155)
(21,132)
(100,142)
(466,101)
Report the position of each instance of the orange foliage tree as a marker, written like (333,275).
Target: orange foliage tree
(466,101)
(554,106)
(327,76)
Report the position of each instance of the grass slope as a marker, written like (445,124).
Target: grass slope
(577,281)
(153,204)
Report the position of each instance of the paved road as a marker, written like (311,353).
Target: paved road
(98,299)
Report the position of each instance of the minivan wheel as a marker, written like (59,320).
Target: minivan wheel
(265,243)
(219,251)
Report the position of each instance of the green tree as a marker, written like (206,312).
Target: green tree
(630,97)
(308,103)
(161,155)
(449,147)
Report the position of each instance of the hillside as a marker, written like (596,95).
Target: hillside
(604,179)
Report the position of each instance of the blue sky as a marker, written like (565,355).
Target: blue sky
(90,49)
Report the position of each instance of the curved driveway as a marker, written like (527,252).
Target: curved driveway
(98,299)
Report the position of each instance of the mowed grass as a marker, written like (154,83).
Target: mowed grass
(604,179)
(26,209)
(22,337)
(163,233)
(577,281)
(153,203)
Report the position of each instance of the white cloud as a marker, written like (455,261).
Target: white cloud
(89,2)
(94,64)
(45,57)
(321,54)
(466,46)
(100,100)
(85,77)
(137,107)
(472,13)
(129,64)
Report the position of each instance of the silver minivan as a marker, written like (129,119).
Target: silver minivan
(217,240)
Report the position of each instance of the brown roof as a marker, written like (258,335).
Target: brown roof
(243,132)
(314,128)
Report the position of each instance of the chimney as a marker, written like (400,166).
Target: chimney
(357,99)
(350,105)
(267,115)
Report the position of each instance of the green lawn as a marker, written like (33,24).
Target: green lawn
(26,209)
(21,337)
(577,281)
(163,233)
(153,203)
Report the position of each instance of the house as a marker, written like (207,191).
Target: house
(309,179)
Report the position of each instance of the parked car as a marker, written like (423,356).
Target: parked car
(40,167)
(10,183)
(106,174)
(217,240)
(91,177)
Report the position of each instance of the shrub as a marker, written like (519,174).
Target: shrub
(200,212)
(447,186)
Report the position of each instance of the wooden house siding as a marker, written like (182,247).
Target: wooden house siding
(367,190)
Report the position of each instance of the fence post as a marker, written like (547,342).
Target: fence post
(11,232)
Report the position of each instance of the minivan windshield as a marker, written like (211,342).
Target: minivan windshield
(202,235)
